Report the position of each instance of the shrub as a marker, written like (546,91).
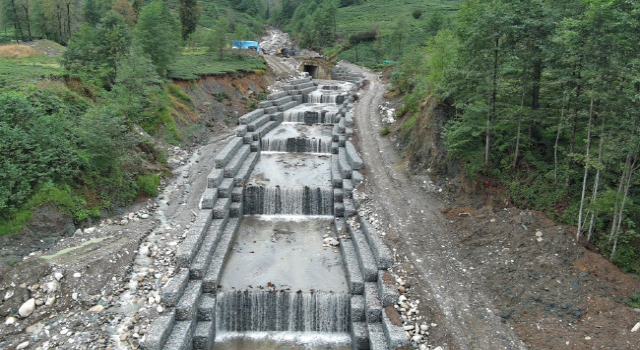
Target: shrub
(385,131)
(417,13)
(363,36)
(148,184)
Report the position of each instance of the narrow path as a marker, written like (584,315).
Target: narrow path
(416,229)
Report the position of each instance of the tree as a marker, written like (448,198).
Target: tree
(124,8)
(217,39)
(91,13)
(189,12)
(158,33)
(95,52)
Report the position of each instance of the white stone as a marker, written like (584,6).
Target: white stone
(97,308)
(51,287)
(74,296)
(77,275)
(402,298)
(424,327)
(438,348)
(27,308)
(9,294)
(636,327)
(144,216)
(50,301)
(22,345)
(538,233)
(10,320)
(417,338)
(58,276)
(409,327)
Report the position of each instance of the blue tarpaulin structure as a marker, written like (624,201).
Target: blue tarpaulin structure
(242,44)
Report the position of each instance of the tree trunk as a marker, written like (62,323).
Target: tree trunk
(597,181)
(586,170)
(26,13)
(68,21)
(555,148)
(515,156)
(624,201)
(17,21)
(494,97)
(614,221)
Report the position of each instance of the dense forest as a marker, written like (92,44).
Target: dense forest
(539,96)
(542,96)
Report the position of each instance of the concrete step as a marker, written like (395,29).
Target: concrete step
(187,307)
(377,340)
(373,308)
(214,271)
(189,247)
(181,336)
(366,260)
(236,161)
(204,335)
(203,258)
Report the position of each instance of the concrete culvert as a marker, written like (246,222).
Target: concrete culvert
(312,70)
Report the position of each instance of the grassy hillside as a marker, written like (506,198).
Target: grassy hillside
(385,17)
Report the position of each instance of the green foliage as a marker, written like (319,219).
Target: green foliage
(158,34)
(417,13)
(634,300)
(148,184)
(18,73)
(192,67)
(217,40)
(93,53)
(221,96)
(385,131)
(176,91)
(189,13)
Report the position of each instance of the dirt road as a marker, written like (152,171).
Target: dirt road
(444,285)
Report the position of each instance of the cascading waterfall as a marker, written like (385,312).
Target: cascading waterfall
(318,97)
(261,200)
(296,144)
(311,117)
(329,87)
(248,311)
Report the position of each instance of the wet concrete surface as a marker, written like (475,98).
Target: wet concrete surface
(282,341)
(271,249)
(285,131)
(292,170)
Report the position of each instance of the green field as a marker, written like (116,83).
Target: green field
(192,66)
(17,73)
(385,15)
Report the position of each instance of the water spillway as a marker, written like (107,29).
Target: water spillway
(270,258)
(251,311)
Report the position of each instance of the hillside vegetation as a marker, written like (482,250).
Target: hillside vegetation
(541,99)
(87,108)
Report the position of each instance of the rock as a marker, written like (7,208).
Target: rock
(144,216)
(124,222)
(539,239)
(39,302)
(9,294)
(35,286)
(78,232)
(77,275)
(22,345)
(144,250)
(424,327)
(423,347)
(27,308)
(538,233)
(409,327)
(97,308)
(10,320)
(51,287)
(417,338)
(401,289)
(123,337)
(58,276)
(636,327)
(402,298)
(50,301)
(74,296)
(34,328)
(438,348)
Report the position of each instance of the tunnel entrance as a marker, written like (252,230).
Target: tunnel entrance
(312,70)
